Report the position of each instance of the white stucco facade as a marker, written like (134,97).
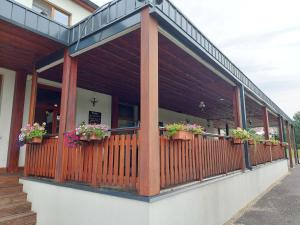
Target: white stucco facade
(209,203)
(6,102)
(77,12)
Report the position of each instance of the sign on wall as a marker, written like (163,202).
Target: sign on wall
(94,117)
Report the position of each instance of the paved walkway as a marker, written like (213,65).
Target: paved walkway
(280,206)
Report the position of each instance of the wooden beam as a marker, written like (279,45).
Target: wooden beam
(237,116)
(149,166)
(16,122)
(115,112)
(266,123)
(72,96)
(288,138)
(67,118)
(280,129)
(33,95)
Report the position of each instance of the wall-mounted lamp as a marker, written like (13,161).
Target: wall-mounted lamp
(202,106)
(94,101)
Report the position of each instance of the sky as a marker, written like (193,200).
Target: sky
(261,37)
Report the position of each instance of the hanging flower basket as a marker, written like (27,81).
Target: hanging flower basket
(237,141)
(94,137)
(32,134)
(36,140)
(91,132)
(251,142)
(183,135)
(268,143)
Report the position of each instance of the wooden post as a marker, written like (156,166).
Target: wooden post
(266,128)
(266,122)
(115,112)
(149,165)
(288,138)
(72,97)
(280,126)
(237,107)
(294,144)
(34,83)
(67,112)
(16,122)
(32,106)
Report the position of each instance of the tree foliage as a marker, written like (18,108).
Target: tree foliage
(297,120)
(297,127)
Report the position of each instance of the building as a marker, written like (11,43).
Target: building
(136,66)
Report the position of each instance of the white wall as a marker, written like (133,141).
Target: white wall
(78,12)
(6,101)
(219,200)
(65,206)
(210,203)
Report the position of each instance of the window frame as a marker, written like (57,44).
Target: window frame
(55,7)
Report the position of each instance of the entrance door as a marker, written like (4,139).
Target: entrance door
(48,108)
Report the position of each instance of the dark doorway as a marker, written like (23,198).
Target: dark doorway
(48,107)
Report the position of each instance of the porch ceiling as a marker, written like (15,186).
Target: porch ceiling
(20,49)
(114,68)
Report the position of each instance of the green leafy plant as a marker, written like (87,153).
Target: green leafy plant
(274,141)
(173,128)
(255,137)
(240,133)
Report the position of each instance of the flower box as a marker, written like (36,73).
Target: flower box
(36,140)
(268,143)
(183,135)
(275,144)
(251,142)
(237,141)
(94,137)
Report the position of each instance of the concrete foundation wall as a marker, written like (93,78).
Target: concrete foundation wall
(209,203)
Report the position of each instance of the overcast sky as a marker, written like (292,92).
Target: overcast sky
(262,37)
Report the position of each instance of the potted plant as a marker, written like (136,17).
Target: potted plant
(33,134)
(268,142)
(181,131)
(91,132)
(239,135)
(275,142)
(254,137)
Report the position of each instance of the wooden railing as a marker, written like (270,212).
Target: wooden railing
(41,158)
(112,162)
(261,153)
(202,157)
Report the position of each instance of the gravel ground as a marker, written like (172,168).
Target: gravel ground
(280,206)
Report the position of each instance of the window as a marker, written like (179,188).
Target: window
(51,11)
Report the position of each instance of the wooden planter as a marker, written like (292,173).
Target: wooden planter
(83,138)
(275,144)
(36,140)
(183,135)
(251,142)
(237,141)
(268,143)
(93,137)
